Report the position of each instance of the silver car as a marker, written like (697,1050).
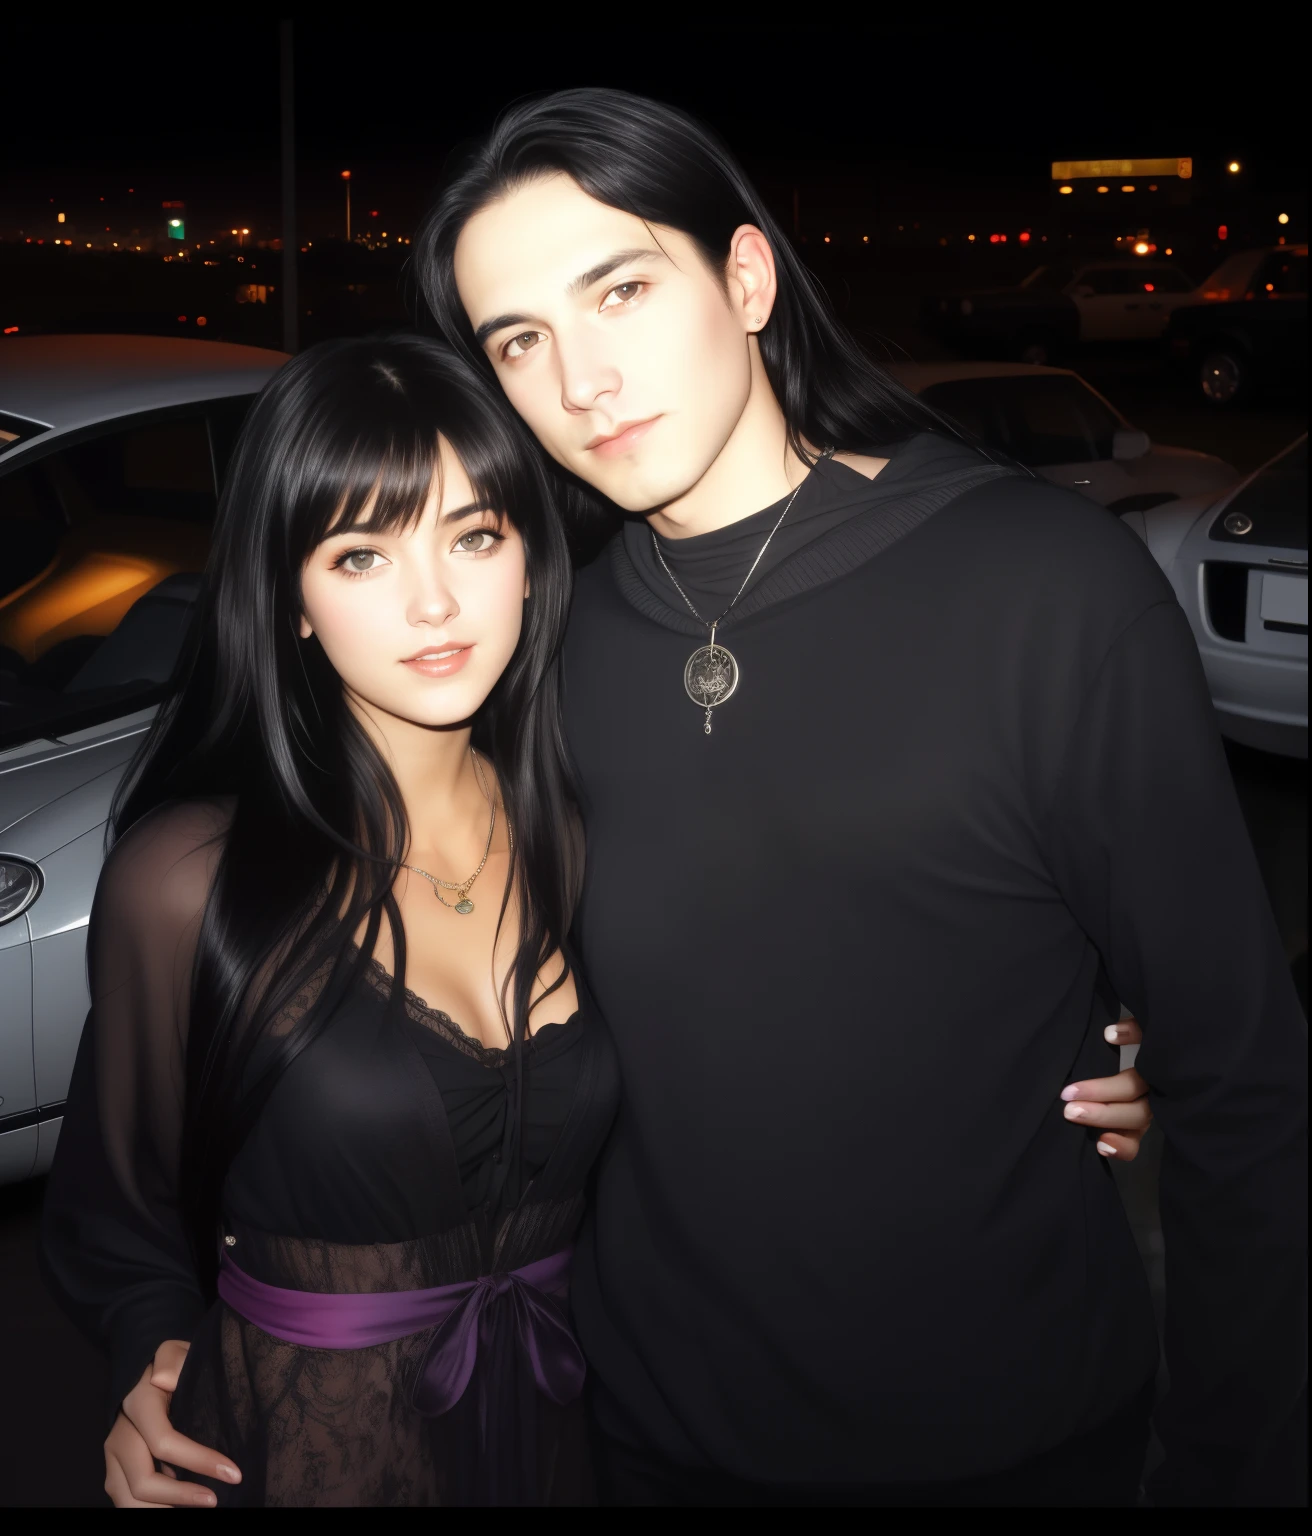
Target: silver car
(1057,424)
(1238,563)
(111,452)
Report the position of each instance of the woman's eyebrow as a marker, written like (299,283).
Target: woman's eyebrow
(581,284)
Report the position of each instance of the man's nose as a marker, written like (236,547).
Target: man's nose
(587,375)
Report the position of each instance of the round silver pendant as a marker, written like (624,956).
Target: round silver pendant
(464,906)
(711,676)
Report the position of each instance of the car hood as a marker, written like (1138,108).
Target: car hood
(56,791)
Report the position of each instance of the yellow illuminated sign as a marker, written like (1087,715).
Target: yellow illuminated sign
(1082,170)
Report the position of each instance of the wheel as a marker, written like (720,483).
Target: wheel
(1224,375)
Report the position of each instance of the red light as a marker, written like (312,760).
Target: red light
(1222,233)
(1024,236)
(182,319)
(993,239)
(1147,287)
(10,329)
(374,214)
(200,319)
(346,175)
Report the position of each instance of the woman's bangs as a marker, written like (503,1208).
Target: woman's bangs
(385,486)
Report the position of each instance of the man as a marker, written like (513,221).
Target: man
(898,770)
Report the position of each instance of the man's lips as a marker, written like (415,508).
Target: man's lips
(621,441)
(439,661)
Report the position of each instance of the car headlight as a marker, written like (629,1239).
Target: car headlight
(20,885)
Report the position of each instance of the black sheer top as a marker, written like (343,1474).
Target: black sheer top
(391,1156)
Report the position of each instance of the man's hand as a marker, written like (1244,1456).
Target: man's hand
(142,1436)
(1117,1106)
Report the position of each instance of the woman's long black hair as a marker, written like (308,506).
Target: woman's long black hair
(318,826)
(661,165)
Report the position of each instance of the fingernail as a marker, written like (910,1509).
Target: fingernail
(209,1501)
(229,1474)
(1112,1033)
(1106,1149)
(1073,1092)
(1074,1111)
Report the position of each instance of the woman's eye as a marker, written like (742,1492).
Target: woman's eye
(357,562)
(622,293)
(477,542)
(518,345)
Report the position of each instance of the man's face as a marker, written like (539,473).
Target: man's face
(612,339)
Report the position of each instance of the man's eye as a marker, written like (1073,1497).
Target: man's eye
(518,345)
(622,293)
(478,541)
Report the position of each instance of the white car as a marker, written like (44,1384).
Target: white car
(111,452)
(1052,421)
(1238,563)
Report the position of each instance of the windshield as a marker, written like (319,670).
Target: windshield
(105,542)
(1039,419)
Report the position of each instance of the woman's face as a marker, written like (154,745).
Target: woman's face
(420,623)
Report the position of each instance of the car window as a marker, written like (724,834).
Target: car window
(1168,280)
(1109,280)
(1040,419)
(105,541)
(1281,275)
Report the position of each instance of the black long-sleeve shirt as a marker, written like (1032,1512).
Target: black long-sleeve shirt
(851,945)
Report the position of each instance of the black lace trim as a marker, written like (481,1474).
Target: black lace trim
(443,1025)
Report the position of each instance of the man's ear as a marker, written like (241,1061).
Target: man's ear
(750,277)
(304,629)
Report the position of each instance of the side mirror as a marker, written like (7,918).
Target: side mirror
(1130,443)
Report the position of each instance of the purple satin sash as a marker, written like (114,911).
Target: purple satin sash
(356,1321)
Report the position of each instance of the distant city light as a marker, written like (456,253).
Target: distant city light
(1104,189)
(10,329)
(1222,233)
(970,237)
(373,215)
(1234,167)
(826,239)
(1065,191)
(1130,188)
(175,223)
(346,175)
(865,239)
(1024,236)
(200,320)
(59,218)
(1169,251)
(1149,287)
(1141,248)
(1282,218)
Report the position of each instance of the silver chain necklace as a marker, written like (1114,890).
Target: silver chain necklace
(712,674)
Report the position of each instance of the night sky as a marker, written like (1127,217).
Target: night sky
(191,112)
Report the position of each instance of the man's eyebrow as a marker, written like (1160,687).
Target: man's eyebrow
(585,280)
(581,284)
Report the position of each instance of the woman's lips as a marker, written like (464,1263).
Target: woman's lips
(612,447)
(441,663)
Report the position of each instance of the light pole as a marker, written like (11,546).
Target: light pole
(287,83)
(346,177)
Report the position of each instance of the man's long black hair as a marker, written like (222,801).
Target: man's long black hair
(258,719)
(661,165)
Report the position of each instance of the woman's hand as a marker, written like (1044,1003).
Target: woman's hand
(1117,1106)
(143,1436)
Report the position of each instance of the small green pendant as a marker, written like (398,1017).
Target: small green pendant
(464,906)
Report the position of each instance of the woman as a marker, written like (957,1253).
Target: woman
(341,1085)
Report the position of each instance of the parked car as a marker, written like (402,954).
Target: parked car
(1051,420)
(1060,305)
(1238,563)
(111,452)
(1245,329)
